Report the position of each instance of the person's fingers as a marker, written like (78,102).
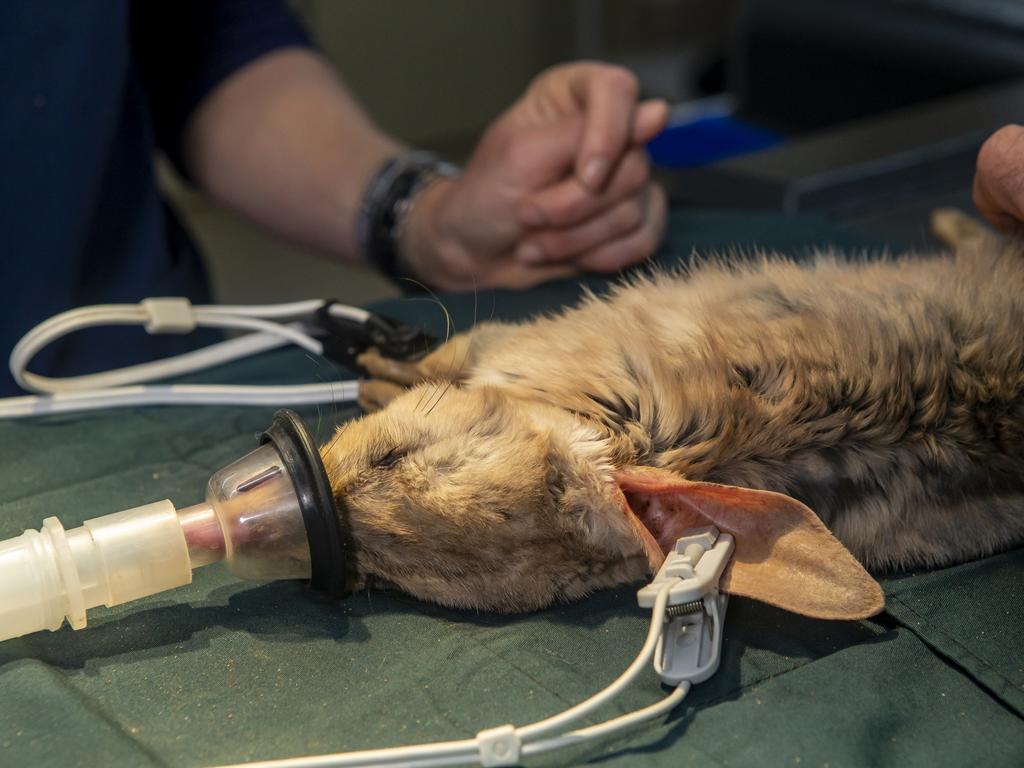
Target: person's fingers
(994,212)
(569,202)
(526,158)
(608,98)
(637,245)
(553,245)
(649,119)
(999,179)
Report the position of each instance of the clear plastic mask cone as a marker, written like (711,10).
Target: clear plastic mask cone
(262,531)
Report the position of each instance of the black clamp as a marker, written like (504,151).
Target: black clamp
(345,338)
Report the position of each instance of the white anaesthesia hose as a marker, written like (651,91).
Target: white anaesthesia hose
(52,574)
(506,745)
(267,327)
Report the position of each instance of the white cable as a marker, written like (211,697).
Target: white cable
(65,323)
(467,751)
(294,309)
(61,325)
(117,388)
(179,394)
(289,332)
(602,730)
(633,671)
(179,365)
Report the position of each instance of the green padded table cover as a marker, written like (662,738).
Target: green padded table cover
(223,671)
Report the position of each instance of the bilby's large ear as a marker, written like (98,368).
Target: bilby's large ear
(784,554)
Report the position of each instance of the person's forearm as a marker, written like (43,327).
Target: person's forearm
(283,142)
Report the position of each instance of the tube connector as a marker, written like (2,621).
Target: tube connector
(52,574)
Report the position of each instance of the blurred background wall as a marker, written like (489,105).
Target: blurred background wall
(868,112)
(434,74)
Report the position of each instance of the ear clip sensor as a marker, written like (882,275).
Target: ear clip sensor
(691,642)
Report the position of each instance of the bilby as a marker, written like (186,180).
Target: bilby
(536,462)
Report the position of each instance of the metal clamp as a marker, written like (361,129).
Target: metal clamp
(691,642)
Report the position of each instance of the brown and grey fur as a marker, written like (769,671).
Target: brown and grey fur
(886,395)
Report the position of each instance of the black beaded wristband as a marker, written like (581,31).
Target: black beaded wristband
(387,201)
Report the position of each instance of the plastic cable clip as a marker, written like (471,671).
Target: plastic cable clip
(499,746)
(690,644)
(171,315)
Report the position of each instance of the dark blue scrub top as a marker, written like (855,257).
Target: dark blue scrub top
(90,91)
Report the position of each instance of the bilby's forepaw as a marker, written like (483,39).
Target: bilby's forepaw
(375,394)
(448,363)
(402,372)
(958,230)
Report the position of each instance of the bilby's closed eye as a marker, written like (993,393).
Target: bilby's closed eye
(390,458)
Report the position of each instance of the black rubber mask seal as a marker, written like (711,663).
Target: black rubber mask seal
(332,550)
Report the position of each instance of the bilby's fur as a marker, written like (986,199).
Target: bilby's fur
(886,395)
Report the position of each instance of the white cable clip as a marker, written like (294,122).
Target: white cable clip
(691,642)
(499,746)
(170,315)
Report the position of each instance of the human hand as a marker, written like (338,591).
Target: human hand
(999,179)
(558,184)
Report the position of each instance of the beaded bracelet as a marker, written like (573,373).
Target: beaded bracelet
(387,201)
